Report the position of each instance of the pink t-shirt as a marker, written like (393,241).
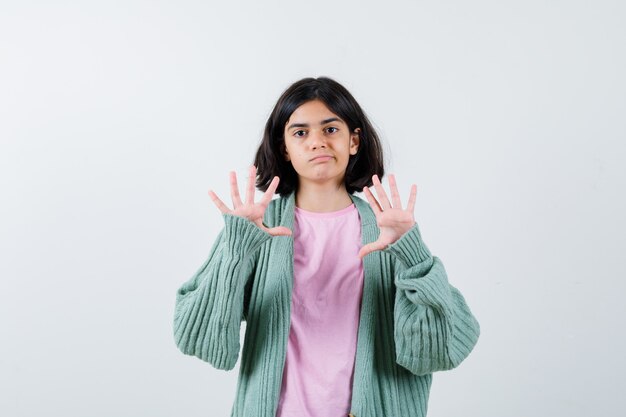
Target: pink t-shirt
(325,308)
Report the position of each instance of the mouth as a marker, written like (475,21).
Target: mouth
(319,158)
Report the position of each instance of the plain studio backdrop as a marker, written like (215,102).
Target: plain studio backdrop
(117,117)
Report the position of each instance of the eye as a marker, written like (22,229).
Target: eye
(296,133)
(333,128)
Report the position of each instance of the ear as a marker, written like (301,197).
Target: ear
(355,141)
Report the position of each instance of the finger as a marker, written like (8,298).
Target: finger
(395,196)
(219,203)
(380,192)
(411,205)
(267,197)
(234,190)
(250,188)
(372,200)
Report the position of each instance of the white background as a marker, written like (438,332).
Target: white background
(116,117)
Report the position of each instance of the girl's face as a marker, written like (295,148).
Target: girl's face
(318,143)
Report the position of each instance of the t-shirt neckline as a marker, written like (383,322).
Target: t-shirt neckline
(327,214)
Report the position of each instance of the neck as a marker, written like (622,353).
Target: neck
(322,198)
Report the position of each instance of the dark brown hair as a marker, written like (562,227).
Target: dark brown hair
(269,158)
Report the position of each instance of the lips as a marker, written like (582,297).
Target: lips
(321,156)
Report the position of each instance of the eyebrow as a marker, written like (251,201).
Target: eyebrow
(323,122)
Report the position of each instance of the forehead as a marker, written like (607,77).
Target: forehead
(311,112)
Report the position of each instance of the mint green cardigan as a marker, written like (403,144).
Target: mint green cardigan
(412,322)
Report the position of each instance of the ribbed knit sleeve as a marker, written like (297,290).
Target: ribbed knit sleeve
(209,306)
(434,328)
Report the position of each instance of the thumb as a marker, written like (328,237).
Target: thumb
(279,231)
(369,248)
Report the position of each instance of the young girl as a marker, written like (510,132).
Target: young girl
(347,311)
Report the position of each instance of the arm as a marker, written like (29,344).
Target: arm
(209,306)
(434,329)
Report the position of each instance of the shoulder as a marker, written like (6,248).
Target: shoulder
(365,211)
(275,210)
(277,204)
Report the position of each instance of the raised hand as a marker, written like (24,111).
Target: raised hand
(250,210)
(393,221)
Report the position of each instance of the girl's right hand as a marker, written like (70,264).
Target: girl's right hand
(250,210)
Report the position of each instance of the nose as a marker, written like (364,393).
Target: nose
(317,139)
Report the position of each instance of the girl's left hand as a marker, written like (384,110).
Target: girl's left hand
(394,221)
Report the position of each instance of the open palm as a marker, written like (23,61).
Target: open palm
(393,221)
(250,210)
